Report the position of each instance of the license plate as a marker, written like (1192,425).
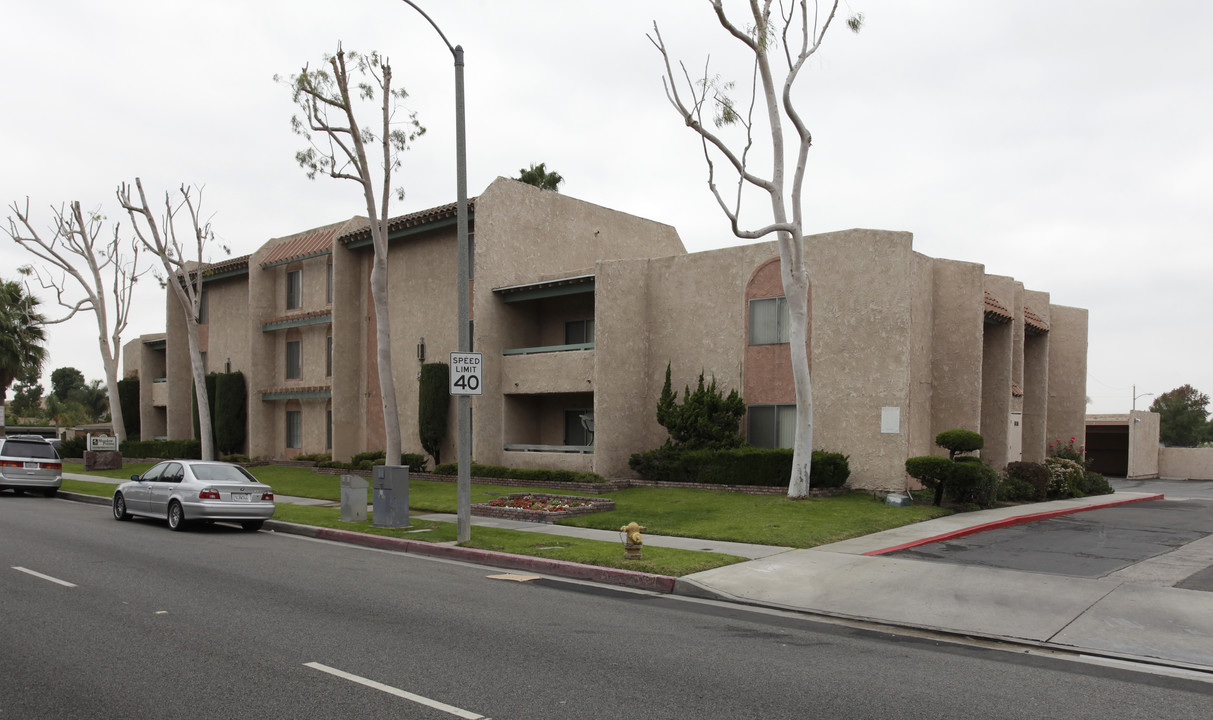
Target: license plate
(241,497)
(31,466)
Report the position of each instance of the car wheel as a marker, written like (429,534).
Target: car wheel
(120,512)
(252,525)
(176,516)
(49,492)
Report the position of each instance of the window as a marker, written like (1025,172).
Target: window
(203,313)
(294,359)
(578,427)
(294,289)
(771,426)
(329,293)
(294,429)
(579,332)
(769,321)
(328,357)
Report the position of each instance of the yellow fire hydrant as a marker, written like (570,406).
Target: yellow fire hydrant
(632,544)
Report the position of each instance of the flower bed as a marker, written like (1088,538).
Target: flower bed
(535,507)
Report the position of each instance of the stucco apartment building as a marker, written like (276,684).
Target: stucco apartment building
(578,309)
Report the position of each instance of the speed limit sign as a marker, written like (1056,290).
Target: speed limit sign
(466,374)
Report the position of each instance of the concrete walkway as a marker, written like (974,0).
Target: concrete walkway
(1133,614)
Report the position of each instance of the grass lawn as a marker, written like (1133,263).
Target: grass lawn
(759,519)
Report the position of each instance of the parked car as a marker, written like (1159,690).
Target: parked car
(183,491)
(29,462)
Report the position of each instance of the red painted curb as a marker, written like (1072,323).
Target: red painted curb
(1008,522)
(579,571)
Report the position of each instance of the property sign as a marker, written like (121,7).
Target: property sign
(466,375)
(102,443)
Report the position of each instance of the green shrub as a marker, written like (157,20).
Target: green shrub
(738,466)
(1034,474)
(370,455)
(165,449)
(705,419)
(433,407)
(416,462)
(315,457)
(1095,484)
(932,471)
(1013,489)
(128,400)
(75,447)
(230,413)
(959,441)
(973,483)
(1066,478)
(235,458)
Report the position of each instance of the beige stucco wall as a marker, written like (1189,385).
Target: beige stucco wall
(525,235)
(1067,373)
(1144,453)
(1186,463)
(180,382)
(1036,382)
(956,357)
(997,370)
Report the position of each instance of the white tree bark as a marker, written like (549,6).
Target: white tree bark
(344,156)
(184,277)
(100,270)
(799,37)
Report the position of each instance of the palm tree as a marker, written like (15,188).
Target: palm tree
(538,176)
(21,338)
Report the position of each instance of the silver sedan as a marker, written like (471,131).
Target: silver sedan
(182,491)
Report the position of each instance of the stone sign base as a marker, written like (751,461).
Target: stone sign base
(102,460)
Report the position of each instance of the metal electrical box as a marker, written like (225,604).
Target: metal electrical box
(391,496)
(353,498)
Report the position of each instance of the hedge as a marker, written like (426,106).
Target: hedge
(128,400)
(738,466)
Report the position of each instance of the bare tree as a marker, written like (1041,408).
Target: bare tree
(798,33)
(183,276)
(98,267)
(339,150)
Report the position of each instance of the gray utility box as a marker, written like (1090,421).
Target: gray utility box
(353,498)
(391,491)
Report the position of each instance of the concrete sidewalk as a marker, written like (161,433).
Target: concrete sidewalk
(1131,618)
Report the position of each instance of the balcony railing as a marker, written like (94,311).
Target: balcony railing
(548,349)
(522,447)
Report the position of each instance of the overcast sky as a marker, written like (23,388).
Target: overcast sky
(1064,144)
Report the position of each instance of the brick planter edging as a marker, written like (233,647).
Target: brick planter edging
(542,516)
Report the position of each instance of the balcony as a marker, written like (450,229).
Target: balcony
(529,371)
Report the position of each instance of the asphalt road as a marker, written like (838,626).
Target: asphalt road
(1098,543)
(217,623)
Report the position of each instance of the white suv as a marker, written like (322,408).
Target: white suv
(29,462)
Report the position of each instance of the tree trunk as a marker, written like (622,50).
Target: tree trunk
(110,361)
(383,342)
(796,289)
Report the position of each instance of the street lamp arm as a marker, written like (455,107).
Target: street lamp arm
(457,52)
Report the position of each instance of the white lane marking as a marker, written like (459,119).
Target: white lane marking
(457,712)
(27,571)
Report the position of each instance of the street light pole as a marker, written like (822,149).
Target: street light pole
(1135,396)
(464,408)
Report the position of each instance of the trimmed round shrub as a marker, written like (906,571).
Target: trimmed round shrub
(1066,478)
(960,441)
(932,471)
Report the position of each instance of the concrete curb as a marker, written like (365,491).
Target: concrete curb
(579,571)
(1008,522)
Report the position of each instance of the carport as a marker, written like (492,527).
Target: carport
(1123,445)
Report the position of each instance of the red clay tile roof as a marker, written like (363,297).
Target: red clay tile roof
(223,266)
(996,312)
(421,217)
(309,243)
(1034,325)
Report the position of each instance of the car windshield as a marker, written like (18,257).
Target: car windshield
(20,448)
(222,473)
